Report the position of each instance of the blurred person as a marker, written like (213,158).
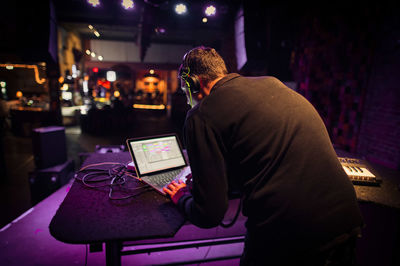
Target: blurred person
(257,136)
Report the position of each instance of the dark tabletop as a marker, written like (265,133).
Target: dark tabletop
(387,193)
(88,215)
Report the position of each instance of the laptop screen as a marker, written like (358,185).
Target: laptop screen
(156,154)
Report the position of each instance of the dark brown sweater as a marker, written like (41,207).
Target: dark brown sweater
(259,136)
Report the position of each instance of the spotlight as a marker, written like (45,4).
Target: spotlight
(180,9)
(94,3)
(100,58)
(96,33)
(210,11)
(204,20)
(127,4)
(90,27)
(93,54)
(88,52)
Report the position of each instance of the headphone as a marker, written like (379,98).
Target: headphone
(191,80)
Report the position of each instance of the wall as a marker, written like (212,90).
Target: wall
(118,51)
(347,63)
(380,130)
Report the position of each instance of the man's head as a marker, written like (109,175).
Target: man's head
(201,68)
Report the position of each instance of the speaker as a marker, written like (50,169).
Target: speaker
(49,146)
(44,182)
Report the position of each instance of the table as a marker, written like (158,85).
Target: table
(87,215)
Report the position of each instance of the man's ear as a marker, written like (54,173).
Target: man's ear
(204,88)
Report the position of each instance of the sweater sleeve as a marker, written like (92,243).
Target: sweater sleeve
(208,202)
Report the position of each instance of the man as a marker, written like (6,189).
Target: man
(257,135)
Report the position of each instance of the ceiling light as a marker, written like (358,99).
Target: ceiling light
(180,9)
(94,3)
(127,4)
(210,11)
(93,54)
(90,27)
(100,58)
(88,52)
(96,33)
(204,20)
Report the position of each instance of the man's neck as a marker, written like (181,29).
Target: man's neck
(211,84)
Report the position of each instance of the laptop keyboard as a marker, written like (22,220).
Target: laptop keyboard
(165,178)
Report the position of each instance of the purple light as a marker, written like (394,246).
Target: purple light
(210,11)
(94,3)
(127,4)
(160,30)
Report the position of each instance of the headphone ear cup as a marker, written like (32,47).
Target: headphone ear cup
(194,83)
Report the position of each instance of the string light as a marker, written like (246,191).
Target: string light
(34,67)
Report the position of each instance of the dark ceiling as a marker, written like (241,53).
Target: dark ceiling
(115,23)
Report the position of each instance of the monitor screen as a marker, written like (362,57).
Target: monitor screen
(156,154)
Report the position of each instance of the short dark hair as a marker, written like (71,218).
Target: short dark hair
(204,62)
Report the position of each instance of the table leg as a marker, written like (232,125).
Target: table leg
(113,253)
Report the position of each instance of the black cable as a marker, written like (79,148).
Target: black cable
(115,175)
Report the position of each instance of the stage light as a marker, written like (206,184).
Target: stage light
(88,52)
(100,58)
(210,11)
(19,94)
(127,4)
(204,20)
(90,27)
(96,33)
(95,70)
(117,94)
(10,67)
(94,3)
(93,54)
(180,9)
(2,84)
(151,71)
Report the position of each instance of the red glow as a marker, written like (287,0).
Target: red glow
(95,69)
(106,84)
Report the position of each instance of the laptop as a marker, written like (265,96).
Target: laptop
(158,160)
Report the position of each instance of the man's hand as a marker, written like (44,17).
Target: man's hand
(175,190)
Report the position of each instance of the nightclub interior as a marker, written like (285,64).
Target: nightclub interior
(80,77)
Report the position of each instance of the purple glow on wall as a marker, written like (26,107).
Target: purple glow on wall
(240,47)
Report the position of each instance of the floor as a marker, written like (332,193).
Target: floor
(24,235)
